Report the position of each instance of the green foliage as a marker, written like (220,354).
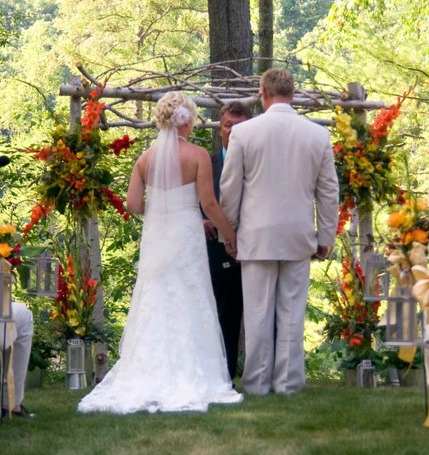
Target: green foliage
(45,346)
(108,35)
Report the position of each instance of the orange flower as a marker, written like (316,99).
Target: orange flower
(417,235)
(5,250)
(38,212)
(338,147)
(396,219)
(92,114)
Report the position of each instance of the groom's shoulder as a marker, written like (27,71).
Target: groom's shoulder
(251,123)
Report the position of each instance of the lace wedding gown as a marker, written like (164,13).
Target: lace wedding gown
(172,355)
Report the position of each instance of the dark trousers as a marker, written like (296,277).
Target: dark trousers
(229,301)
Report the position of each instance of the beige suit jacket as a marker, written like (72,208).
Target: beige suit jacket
(279,186)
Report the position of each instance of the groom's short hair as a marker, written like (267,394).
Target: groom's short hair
(278,82)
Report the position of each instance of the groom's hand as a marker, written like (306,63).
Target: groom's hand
(323,252)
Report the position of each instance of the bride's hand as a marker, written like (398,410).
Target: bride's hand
(231,244)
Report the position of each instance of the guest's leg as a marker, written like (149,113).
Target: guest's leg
(23,319)
(259,285)
(292,291)
(7,338)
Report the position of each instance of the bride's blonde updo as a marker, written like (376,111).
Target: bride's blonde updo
(175,109)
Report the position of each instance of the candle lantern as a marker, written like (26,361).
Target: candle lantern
(43,279)
(402,319)
(376,278)
(76,377)
(366,374)
(5,291)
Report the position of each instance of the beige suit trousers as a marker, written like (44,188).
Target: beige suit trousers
(274,299)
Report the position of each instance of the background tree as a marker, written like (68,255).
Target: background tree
(266,35)
(230,34)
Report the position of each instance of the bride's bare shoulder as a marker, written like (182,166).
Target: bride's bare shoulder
(198,150)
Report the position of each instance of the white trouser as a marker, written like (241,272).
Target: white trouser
(274,299)
(22,336)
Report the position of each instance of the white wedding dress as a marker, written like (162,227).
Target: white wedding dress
(172,354)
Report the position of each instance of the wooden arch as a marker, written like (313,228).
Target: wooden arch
(210,92)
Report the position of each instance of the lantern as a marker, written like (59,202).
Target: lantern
(43,279)
(402,319)
(76,377)
(5,291)
(376,278)
(366,374)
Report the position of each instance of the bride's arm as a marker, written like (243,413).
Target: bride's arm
(208,200)
(136,188)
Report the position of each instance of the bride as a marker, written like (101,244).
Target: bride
(172,356)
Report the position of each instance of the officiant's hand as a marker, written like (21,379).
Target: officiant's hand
(210,230)
(232,251)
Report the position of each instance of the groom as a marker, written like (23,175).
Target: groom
(278,176)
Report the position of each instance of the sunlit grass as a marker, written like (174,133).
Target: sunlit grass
(323,419)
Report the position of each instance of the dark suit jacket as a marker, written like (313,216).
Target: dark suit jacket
(218,258)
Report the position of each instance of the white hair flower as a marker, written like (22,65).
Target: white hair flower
(180,117)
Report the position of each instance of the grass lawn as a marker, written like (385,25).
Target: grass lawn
(324,419)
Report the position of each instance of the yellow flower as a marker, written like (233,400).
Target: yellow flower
(7,229)
(72,318)
(60,144)
(348,278)
(80,331)
(79,155)
(5,250)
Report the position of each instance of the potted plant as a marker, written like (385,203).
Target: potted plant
(409,374)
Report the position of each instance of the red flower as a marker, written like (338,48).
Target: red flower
(42,154)
(123,143)
(356,340)
(116,202)
(384,120)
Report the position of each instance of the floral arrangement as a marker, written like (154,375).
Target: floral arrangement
(409,222)
(363,162)
(77,293)
(10,247)
(352,319)
(409,256)
(76,175)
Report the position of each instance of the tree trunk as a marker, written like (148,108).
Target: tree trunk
(230,34)
(231,41)
(266,35)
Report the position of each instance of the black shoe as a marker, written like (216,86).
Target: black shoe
(23,412)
